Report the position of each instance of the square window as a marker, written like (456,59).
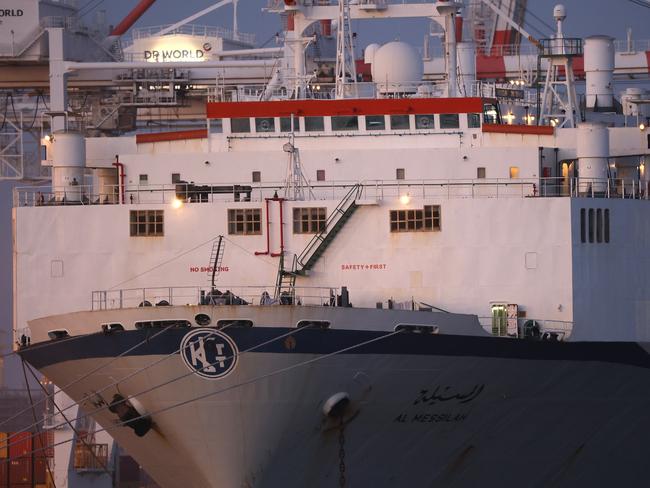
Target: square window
(313,124)
(146,223)
(400,122)
(176,177)
(240,125)
(400,174)
(285,124)
(514,172)
(244,221)
(256,176)
(480,173)
(320,175)
(424,122)
(375,122)
(473,121)
(449,121)
(143,179)
(265,124)
(310,220)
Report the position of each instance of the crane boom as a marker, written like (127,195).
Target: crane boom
(514,24)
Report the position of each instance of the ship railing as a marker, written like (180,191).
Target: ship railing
(90,457)
(315,90)
(195,30)
(618,188)
(197,295)
(528,328)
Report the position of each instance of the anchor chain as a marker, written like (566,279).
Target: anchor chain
(342,479)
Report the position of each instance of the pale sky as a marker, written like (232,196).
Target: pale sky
(585,17)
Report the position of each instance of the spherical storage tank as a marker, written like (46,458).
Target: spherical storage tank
(599,71)
(593,154)
(68,161)
(397,68)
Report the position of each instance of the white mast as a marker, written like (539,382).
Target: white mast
(345,66)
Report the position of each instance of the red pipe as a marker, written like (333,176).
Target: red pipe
(132,17)
(268,230)
(120,169)
(276,254)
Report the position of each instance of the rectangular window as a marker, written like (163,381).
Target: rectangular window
(244,221)
(599,225)
(400,174)
(480,173)
(514,172)
(320,175)
(176,177)
(314,124)
(256,176)
(606,225)
(648,141)
(285,124)
(416,220)
(473,121)
(591,225)
(345,122)
(425,122)
(143,179)
(583,226)
(375,122)
(490,113)
(400,122)
(146,222)
(265,124)
(449,121)
(309,220)
(240,125)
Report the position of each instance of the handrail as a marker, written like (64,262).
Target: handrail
(333,217)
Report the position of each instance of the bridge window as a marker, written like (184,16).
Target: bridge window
(285,124)
(256,176)
(400,122)
(490,113)
(415,220)
(375,122)
(449,121)
(400,173)
(348,122)
(309,220)
(244,221)
(265,124)
(424,122)
(320,175)
(240,125)
(473,121)
(314,124)
(146,222)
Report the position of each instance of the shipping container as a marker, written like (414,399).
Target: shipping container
(4,451)
(20,472)
(4,473)
(43,444)
(20,444)
(40,470)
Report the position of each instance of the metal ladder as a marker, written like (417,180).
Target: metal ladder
(216,258)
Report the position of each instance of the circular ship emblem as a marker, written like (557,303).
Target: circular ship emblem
(209,353)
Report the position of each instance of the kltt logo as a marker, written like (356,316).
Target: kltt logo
(209,353)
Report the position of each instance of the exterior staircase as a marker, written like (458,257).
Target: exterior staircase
(333,225)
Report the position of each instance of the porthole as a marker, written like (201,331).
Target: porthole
(202,319)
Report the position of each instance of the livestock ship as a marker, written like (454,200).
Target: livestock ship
(389,282)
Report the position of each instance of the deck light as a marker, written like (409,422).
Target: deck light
(177,203)
(641,126)
(405,199)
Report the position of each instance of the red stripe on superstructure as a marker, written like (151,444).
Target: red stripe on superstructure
(491,67)
(459,28)
(540,130)
(179,135)
(385,106)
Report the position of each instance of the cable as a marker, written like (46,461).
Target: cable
(228,388)
(130,375)
(147,339)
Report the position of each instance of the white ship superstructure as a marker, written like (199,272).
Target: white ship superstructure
(386,282)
